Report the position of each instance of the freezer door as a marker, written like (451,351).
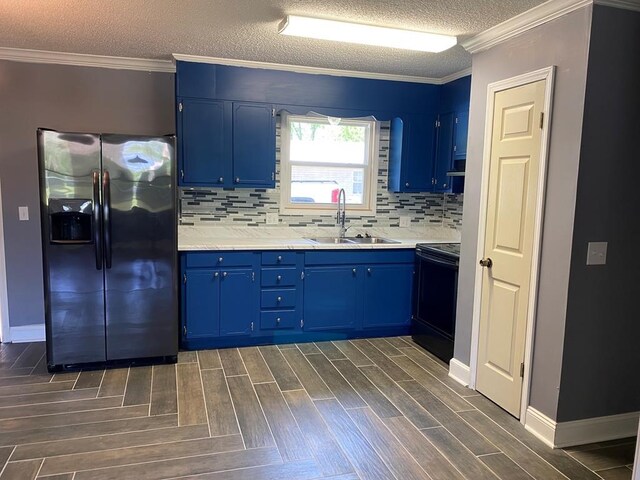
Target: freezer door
(140,251)
(69,165)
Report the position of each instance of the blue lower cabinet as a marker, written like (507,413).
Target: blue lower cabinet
(201,298)
(387,295)
(238,302)
(278,320)
(331,297)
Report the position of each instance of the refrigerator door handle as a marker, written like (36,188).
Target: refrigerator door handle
(97,238)
(106,208)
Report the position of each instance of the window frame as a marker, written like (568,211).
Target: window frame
(369,168)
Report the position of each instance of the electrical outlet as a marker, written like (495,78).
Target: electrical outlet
(23,214)
(405,222)
(597,253)
(272,218)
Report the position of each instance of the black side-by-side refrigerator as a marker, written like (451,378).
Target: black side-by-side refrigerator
(108,215)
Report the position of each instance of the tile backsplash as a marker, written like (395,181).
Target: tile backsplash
(249,207)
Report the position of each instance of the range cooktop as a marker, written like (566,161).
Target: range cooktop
(450,249)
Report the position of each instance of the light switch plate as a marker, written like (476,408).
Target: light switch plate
(597,253)
(23,214)
(405,222)
(272,218)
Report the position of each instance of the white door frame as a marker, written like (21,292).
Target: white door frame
(5,332)
(547,74)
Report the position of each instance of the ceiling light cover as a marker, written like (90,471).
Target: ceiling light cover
(365,34)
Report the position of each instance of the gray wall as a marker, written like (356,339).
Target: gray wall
(564,43)
(601,353)
(63,98)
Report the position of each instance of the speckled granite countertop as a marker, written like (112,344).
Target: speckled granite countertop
(191,238)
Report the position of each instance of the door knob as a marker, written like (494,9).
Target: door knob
(486,262)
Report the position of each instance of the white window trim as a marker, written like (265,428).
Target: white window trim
(370,177)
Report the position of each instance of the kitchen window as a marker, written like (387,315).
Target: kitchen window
(319,156)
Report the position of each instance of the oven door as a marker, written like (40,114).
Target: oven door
(435,304)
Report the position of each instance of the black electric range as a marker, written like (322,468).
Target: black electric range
(436,286)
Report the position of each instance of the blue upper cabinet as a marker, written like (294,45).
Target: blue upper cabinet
(444,152)
(204,151)
(460,136)
(254,145)
(410,158)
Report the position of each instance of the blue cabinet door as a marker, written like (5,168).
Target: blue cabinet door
(202,301)
(332,297)
(204,142)
(444,152)
(461,133)
(254,145)
(387,295)
(238,302)
(410,154)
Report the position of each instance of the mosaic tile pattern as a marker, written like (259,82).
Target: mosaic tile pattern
(249,207)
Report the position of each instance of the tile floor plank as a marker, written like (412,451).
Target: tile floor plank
(187,357)
(135,455)
(311,381)
(65,377)
(40,398)
(436,369)
(556,457)
(71,406)
(617,473)
(435,386)
(253,425)
(209,359)
(458,455)
(308,348)
(30,356)
(284,428)
(182,467)
(368,391)
(114,382)
(5,453)
(164,395)
(26,470)
(385,347)
(422,450)
(331,460)
(401,399)
(300,470)
(89,379)
(353,353)
(398,342)
(107,422)
(341,389)
(330,351)
(399,461)
(363,457)
(516,451)
(504,467)
(381,360)
(56,448)
(36,388)
(607,457)
(471,439)
(24,380)
(232,362)
(191,409)
(222,418)
(280,369)
(138,391)
(255,365)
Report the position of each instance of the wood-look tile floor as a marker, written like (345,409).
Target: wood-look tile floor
(362,409)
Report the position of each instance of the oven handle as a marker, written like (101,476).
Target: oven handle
(444,263)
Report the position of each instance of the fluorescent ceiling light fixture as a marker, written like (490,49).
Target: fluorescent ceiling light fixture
(365,34)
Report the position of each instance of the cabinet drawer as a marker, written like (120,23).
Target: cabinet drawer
(281,298)
(219,259)
(278,258)
(278,319)
(279,277)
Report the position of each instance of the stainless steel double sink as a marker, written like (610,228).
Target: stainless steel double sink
(352,240)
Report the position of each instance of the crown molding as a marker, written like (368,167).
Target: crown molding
(304,69)
(455,76)
(532,18)
(85,60)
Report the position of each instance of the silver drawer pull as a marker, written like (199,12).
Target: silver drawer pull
(279,299)
(224,274)
(279,258)
(278,321)
(279,278)
(220,260)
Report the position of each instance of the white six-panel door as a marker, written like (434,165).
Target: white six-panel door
(516,143)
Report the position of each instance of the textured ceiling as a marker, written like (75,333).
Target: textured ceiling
(247,29)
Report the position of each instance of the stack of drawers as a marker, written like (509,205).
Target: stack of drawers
(281,291)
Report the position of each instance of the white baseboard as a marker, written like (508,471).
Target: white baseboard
(598,429)
(579,432)
(460,372)
(27,333)
(541,426)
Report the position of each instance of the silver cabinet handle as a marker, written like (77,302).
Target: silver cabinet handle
(369,271)
(279,258)
(216,275)
(278,321)
(279,299)
(237,179)
(221,180)
(220,260)
(279,278)
(354,271)
(406,184)
(224,274)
